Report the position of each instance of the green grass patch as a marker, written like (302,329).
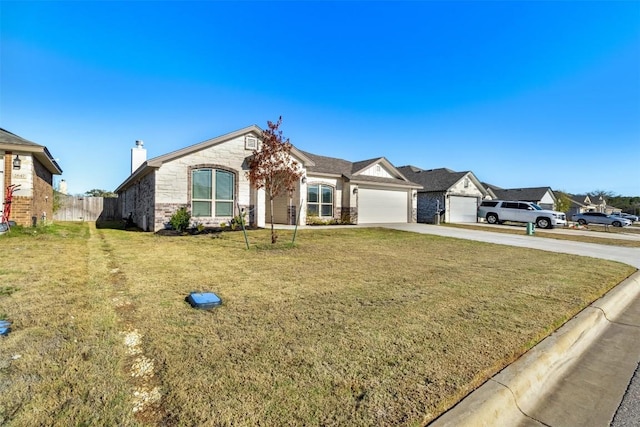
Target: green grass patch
(350,326)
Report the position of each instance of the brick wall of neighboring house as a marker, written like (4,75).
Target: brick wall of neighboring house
(20,205)
(42,199)
(39,203)
(7,169)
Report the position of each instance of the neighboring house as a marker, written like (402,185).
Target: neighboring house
(542,196)
(454,196)
(210,179)
(32,167)
(584,203)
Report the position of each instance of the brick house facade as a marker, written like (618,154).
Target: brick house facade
(332,189)
(31,167)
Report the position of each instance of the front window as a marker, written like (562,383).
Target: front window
(212,193)
(320,200)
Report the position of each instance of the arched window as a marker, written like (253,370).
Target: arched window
(212,193)
(319,200)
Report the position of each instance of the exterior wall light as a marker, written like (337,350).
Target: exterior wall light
(355,190)
(17,162)
(304,180)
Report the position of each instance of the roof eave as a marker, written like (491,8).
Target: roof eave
(406,185)
(40,152)
(144,170)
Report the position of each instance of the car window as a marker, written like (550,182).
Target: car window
(510,205)
(491,204)
(537,207)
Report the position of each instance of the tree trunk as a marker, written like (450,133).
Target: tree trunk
(274,237)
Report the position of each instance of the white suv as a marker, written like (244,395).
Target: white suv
(498,211)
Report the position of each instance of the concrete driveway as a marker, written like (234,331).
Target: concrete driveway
(629,256)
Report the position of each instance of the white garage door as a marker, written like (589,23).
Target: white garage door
(463,209)
(381,206)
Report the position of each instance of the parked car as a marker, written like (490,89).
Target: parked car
(600,218)
(630,217)
(498,211)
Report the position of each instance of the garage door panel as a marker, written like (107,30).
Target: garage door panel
(463,209)
(381,206)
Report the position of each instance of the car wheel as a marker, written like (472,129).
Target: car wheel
(617,224)
(543,223)
(582,222)
(492,218)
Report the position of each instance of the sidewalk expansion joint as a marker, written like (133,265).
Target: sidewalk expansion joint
(515,399)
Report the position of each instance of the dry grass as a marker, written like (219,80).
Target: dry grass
(350,327)
(599,235)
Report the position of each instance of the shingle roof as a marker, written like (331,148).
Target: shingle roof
(491,186)
(432,179)
(10,141)
(349,170)
(10,138)
(329,165)
(533,194)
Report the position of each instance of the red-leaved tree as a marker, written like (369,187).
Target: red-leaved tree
(271,167)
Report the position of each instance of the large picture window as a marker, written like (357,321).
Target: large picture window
(212,193)
(319,200)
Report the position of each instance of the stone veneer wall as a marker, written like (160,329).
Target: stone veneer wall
(347,215)
(138,200)
(427,206)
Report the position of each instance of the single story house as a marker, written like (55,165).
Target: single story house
(452,196)
(585,203)
(210,179)
(32,167)
(542,196)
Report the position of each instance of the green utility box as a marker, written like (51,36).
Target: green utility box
(530,229)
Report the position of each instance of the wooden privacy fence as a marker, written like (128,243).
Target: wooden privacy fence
(80,208)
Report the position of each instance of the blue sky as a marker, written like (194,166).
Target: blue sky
(524,94)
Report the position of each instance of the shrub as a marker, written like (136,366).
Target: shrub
(180,220)
(238,220)
(315,220)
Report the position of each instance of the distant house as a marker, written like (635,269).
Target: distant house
(453,196)
(542,196)
(584,203)
(209,178)
(32,167)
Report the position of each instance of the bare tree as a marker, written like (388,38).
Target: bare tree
(271,166)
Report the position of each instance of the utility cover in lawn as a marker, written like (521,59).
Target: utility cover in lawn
(203,301)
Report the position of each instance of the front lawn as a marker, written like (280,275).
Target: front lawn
(350,327)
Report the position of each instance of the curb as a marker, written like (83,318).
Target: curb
(508,396)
